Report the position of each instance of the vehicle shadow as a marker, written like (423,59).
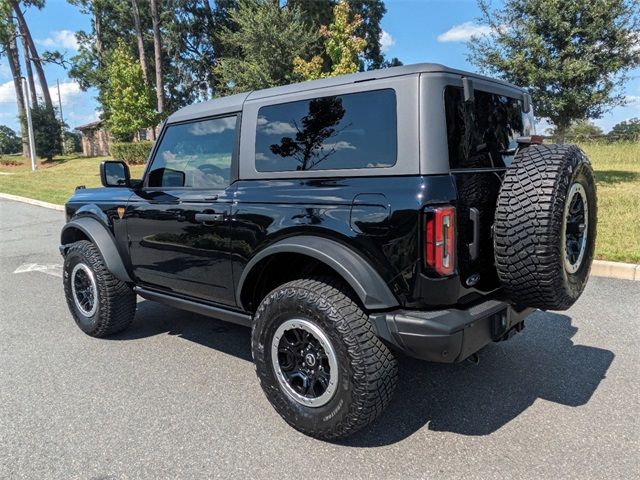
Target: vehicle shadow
(155,319)
(468,399)
(540,363)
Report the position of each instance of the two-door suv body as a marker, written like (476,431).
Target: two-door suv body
(400,210)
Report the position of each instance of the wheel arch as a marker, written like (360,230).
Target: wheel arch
(370,288)
(93,230)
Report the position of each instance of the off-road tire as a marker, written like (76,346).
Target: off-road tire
(116,302)
(367,369)
(528,246)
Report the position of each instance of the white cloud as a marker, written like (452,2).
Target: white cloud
(60,39)
(213,126)
(386,41)
(464,32)
(275,128)
(261,156)
(70,93)
(341,145)
(632,101)
(7,92)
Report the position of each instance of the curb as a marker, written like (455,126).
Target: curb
(623,271)
(600,268)
(31,201)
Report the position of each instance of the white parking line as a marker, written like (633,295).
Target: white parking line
(54,269)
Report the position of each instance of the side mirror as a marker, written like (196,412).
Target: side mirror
(115,173)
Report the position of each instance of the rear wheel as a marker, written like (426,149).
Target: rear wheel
(318,360)
(545,226)
(100,304)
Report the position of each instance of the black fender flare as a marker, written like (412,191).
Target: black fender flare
(366,282)
(102,238)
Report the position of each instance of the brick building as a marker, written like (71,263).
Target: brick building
(95,139)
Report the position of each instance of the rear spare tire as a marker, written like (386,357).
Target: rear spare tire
(545,226)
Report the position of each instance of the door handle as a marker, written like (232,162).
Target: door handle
(209,217)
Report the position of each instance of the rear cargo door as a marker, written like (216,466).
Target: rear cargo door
(481,137)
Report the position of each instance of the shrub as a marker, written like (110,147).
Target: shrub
(134,153)
(9,162)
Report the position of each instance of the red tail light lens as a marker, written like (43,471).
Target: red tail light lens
(440,240)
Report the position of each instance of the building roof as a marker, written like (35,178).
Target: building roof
(90,126)
(233,103)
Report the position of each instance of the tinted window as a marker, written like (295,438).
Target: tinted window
(483,133)
(347,131)
(195,155)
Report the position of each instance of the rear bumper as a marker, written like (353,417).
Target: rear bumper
(449,335)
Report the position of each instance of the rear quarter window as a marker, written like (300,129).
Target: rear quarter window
(483,133)
(352,131)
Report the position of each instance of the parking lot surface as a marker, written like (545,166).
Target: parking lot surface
(176,395)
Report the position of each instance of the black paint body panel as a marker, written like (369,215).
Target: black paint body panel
(164,247)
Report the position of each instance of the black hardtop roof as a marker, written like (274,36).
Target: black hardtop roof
(233,103)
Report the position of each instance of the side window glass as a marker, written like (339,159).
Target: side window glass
(357,130)
(483,133)
(196,154)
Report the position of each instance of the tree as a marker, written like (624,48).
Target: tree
(135,9)
(320,12)
(32,52)
(46,131)
(9,45)
(127,98)
(317,126)
(157,54)
(72,142)
(583,131)
(626,130)
(261,49)
(9,141)
(342,46)
(572,56)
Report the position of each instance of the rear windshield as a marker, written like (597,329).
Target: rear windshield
(356,130)
(483,133)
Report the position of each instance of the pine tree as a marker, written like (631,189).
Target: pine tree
(261,47)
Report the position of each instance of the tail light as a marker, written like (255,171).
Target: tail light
(440,240)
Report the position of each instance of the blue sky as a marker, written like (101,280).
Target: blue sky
(415,31)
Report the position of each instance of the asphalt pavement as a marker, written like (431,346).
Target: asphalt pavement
(176,395)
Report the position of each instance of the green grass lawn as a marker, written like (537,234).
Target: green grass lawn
(617,169)
(54,181)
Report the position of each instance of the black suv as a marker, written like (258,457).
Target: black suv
(406,210)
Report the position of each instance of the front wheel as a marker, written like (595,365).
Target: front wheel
(318,360)
(100,304)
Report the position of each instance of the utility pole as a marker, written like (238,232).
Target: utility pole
(61,116)
(32,141)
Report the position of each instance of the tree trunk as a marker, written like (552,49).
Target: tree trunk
(211,28)
(141,53)
(560,133)
(24,31)
(157,52)
(14,65)
(97,24)
(27,64)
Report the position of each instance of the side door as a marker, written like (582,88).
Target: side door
(178,222)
